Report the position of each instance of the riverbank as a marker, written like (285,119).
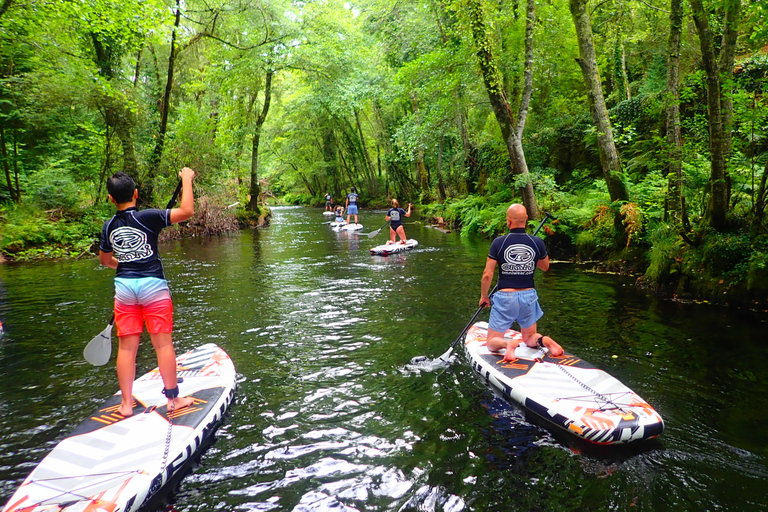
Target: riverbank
(32,234)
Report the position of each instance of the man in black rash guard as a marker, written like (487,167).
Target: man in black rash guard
(516,300)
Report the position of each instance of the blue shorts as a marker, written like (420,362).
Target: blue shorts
(352,209)
(510,307)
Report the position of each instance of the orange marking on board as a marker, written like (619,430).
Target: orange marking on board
(576,428)
(103,419)
(100,506)
(183,412)
(18,503)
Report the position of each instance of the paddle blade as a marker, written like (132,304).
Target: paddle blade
(99,349)
(374,233)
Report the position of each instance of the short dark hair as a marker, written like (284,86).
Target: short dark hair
(353,189)
(121,186)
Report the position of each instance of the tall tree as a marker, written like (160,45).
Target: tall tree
(719,109)
(255,190)
(675,203)
(502,109)
(609,156)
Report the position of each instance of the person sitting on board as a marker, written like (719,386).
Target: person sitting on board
(129,245)
(328,202)
(516,301)
(395,218)
(339,214)
(352,204)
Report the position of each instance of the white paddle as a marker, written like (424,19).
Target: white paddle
(374,233)
(99,349)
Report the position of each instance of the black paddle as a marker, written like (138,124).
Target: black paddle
(447,353)
(99,349)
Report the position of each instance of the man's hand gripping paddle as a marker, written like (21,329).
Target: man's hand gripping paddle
(443,358)
(99,349)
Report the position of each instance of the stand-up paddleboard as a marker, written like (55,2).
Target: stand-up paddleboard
(338,225)
(383,250)
(115,464)
(328,214)
(352,227)
(565,391)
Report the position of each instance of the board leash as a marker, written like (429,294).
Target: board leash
(168,436)
(585,386)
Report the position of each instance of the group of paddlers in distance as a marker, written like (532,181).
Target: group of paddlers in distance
(394,215)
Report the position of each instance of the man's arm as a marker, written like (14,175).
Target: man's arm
(408,213)
(187,207)
(108,259)
(485,282)
(543,264)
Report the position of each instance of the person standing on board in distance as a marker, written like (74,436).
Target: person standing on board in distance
(352,204)
(395,218)
(129,245)
(516,300)
(328,202)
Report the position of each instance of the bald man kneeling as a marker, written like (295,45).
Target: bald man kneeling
(516,301)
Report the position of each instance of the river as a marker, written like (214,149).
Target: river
(328,414)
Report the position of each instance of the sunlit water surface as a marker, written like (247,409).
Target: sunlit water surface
(329,415)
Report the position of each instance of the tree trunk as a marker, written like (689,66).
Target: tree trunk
(15,195)
(675,201)
(500,105)
(165,105)
(366,157)
(609,156)
(718,198)
(725,68)
(440,184)
(253,204)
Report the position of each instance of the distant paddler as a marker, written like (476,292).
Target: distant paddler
(351,205)
(516,301)
(328,202)
(395,218)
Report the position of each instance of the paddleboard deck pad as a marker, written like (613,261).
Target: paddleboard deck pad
(383,250)
(352,227)
(116,464)
(565,391)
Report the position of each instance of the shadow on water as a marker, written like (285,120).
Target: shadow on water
(330,414)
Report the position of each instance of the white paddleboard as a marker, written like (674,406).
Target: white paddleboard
(115,464)
(352,227)
(328,214)
(386,249)
(338,225)
(565,391)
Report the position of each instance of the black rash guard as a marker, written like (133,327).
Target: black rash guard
(517,254)
(132,236)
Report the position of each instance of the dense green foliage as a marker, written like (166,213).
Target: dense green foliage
(387,97)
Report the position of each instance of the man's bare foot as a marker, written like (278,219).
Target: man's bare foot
(554,348)
(181,402)
(509,355)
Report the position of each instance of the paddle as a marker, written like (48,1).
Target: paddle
(99,349)
(374,233)
(444,357)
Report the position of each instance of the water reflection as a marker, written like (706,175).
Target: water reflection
(330,415)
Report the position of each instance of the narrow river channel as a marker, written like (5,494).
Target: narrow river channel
(328,415)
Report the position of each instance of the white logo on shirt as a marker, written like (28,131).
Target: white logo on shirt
(395,215)
(130,244)
(519,259)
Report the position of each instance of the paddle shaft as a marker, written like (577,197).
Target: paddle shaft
(547,216)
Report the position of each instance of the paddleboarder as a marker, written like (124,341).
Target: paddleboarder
(129,245)
(328,202)
(351,205)
(395,218)
(516,301)
(339,214)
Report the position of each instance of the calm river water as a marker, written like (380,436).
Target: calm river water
(329,416)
